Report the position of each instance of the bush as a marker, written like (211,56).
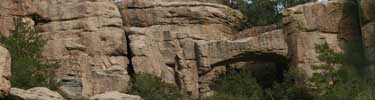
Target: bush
(152,88)
(237,85)
(340,80)
(25,45)
(291,88)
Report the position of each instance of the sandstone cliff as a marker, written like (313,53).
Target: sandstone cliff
(99,44)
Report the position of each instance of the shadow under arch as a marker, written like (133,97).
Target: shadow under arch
(267,68)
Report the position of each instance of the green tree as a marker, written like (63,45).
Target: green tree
(339,79)
(237,85)
(25,45)
(262,12)
(153,88)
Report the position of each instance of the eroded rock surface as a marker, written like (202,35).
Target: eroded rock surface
(86,39)
(162,36)
(311,24)
(5,72)
(10,9)
(215,56)
(114,95)
(36,93)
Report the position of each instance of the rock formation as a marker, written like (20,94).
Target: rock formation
(115,96)
(162,36)
(87,40)
(99,44)
(11,8)
(37,93)
(311,24)
(214,56)
(4,71)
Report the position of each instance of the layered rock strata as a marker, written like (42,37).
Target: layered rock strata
(87,41)
(162,36)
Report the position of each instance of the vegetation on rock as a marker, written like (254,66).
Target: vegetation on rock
(150,87)
(25,45)
(336,80)
(262,12)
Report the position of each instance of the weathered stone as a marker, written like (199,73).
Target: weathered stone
(36,93)
(88,42)
(5,72)
(213,57)
(13,8)
(311,24)
(172,12)
(162,36)
(115,96)
(255,31)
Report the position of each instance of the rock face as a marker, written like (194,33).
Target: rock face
(11,8)
(215,56)
(86,39)
(4,71)
(115,96)
(37,93)
(368,28)
(315,23)
(98,43)
(162,36)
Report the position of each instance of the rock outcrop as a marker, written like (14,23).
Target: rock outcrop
(162,36)
(10,9)
(115,96)
(86,39)
(37,93)
(215,56)
(315,23)
(368,28)
(5,71)
(98,44)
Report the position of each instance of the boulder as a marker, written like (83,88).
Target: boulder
(36,93)
(115,96)
(5,72)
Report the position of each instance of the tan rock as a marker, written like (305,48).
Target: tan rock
(164,12)
(163,33)
(311,24)
(115,96)
(36,93)
(10,9)
(5,71)
(214,57)
(86,39)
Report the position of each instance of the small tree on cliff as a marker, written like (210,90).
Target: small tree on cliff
(25,45)
(263,12)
